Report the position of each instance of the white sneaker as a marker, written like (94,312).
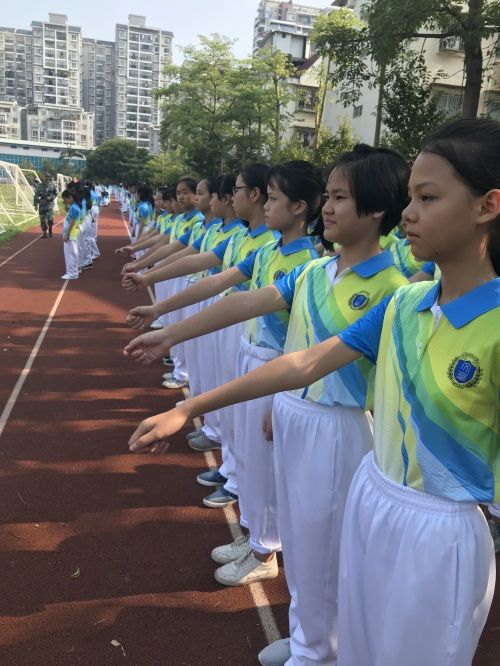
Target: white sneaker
(174,383)
(276,654)
(232,551)
(167,376)
(69,277)
(248,569)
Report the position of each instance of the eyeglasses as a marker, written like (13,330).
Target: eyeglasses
(240,187)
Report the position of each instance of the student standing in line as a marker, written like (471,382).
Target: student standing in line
(417,569)
(225,343)
(321,433)
(70,233)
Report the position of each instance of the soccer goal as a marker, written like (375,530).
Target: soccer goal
(16,197)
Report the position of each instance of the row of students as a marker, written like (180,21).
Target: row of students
(410,558)
(309,528)
(80,228)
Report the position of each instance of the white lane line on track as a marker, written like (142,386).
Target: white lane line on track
(259,596)
(6,261)
(4,417)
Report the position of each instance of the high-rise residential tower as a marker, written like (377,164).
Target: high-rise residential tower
(141,53)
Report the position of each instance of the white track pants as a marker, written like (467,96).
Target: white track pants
(177,352)
(417,575)
(208,381)
(226,347)
(254,457)
(317,451)
(191,353)
(71,257)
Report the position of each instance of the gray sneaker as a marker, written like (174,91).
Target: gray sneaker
(211,478)
(232,551)
(246,570)
(202,443)
(276,654)
(220,498)
(195,433)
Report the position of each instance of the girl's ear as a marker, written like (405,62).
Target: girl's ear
(300,207)
(489,207)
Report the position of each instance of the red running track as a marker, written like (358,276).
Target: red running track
(98,545)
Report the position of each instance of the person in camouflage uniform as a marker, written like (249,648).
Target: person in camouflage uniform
(45,195)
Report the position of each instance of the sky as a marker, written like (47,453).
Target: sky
(185,18)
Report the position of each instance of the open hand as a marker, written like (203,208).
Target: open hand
(148,347)
(151,435)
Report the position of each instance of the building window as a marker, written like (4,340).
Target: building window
(307,100)
(493,107)
(357,111)
(450,102)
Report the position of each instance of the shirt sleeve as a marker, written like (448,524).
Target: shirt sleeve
(220,249)
(246,266)
(364,334)
(184,239)
(143,210)
(197,243)
(286,284)
(74,212)
(429,268)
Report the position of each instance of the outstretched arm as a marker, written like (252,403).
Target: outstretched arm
(286,373)
(179,268)
(229,310)
(142,316)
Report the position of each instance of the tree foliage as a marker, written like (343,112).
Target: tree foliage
(393,24)
(117,160)
(409,122)
(221,110)
(166,168)
(341,38)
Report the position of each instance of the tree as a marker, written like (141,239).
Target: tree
(48,166)
(223,111)
(165,168)
(116,161)
(332,144)
(394,24)
(196,102)
(407,124)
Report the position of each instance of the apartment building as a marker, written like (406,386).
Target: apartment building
(16,65)
(57,124)
(141,53)
(10,120)
(283,17)
(57,51)
(98,86)
(444,60)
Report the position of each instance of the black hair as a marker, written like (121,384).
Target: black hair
(299,181)
(170,193)
(90,185)
(189,181)
(378,181)
(254,176)
(145,194)
(213,184)
(77,193)
(225,184)
(86,196)
(472,147)
(67,193)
